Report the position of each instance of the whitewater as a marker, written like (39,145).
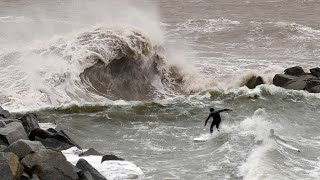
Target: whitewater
(137,78)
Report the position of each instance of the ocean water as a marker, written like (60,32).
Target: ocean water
(137,78)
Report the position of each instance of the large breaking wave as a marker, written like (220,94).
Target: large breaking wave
(100,64)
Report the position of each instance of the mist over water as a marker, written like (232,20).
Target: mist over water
(136,78)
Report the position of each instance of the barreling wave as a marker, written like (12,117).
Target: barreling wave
(105,63)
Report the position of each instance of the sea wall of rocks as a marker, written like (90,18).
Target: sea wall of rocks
(28,152)
(294,78)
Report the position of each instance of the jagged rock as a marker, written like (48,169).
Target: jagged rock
(57,141)
(298,83)
(254,81)
(282,79)
(2,148)
(29,122)
(2,124)
(315,89)
(72,139)
(294,71)
(85,166)
(24,147)
(86,176)
(90,152)
(49,165)
(315,71)
(110,157)
(10,167)
(55,144)
(12,132)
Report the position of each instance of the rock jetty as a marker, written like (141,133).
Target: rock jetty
(28,152)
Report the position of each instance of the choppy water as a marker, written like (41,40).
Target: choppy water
(156,53)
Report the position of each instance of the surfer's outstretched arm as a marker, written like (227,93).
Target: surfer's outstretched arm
(207,119)
(224,110)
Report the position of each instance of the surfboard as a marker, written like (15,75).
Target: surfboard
(205,137)
(287,145)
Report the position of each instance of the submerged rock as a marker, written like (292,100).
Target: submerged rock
(254,81)
(86,167)
(90,152)
(10,167)
(110,157)
(49,165)
(24,147)
(12,132)
(315,89)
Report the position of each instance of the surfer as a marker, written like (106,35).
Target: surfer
(216,118)
(277,138)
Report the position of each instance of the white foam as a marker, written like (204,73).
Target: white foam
(112,170)
(46,126)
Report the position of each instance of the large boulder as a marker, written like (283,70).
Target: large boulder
(49,165)
(298,83)
(12,132)
(29,122)
(51,140)
(86,176)
(282,79)
(55,144)
(254,81)
(294,71)
(85,166)
(10,167)
(315,71)
(71,138)
(24,147)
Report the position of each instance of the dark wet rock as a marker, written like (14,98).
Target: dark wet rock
(254,81)
(110,157)
(312,83)
(10,167)
(315,71)
(52,130)
(40,133)
(24,147)
(72,139)
(2,124)
(282,79)
(86,176)
(52,140)
(49,165)
(12,132)
(85,166)
(315,89)
(2,148)
(298,83)
(55,144)
(294,71)
(29,122)
(90,152)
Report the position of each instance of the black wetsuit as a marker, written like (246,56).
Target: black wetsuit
(216,118)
